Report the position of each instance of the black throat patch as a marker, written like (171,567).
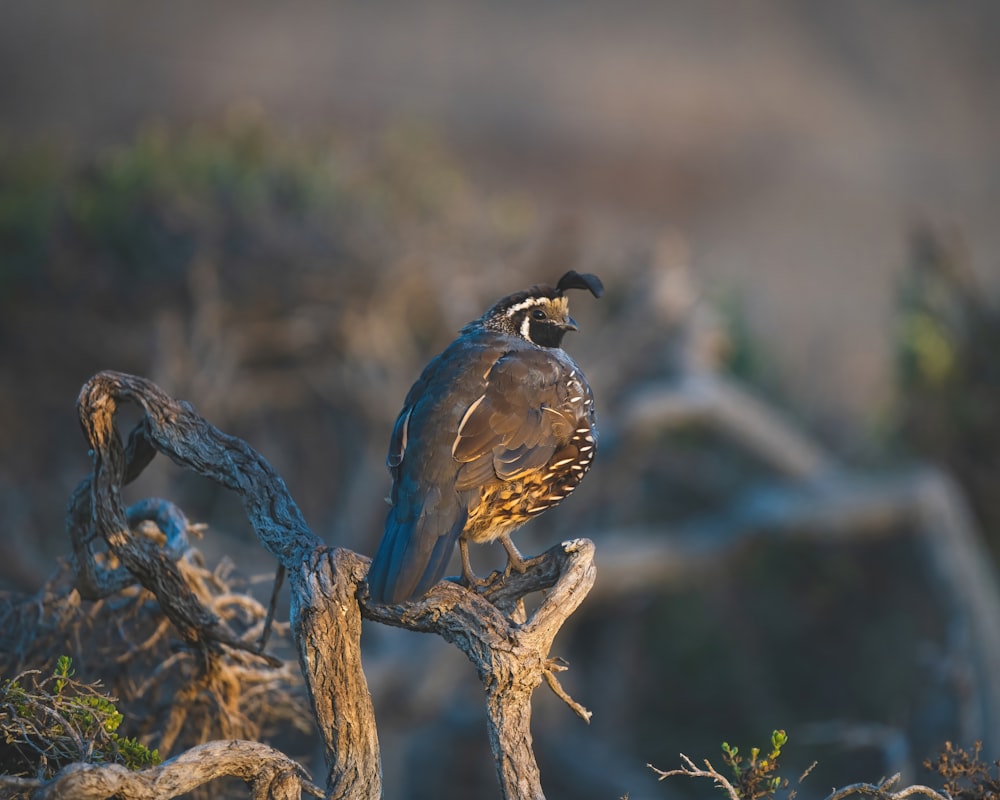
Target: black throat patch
(545,333)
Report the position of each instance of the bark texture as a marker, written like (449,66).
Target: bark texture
(270,774)
(509,650)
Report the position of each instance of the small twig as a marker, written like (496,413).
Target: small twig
(552,666)
(689,770)
(161,669)
(134,650)
(279,579)
(64,724)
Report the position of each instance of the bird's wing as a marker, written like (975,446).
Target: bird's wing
(426,515)
(528,410)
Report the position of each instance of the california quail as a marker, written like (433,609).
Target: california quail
(498,428)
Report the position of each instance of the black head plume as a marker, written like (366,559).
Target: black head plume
(575,280)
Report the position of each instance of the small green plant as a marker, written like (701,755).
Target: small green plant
(966,776)
(753,779)
(63,672)
(756,777)
(48,722)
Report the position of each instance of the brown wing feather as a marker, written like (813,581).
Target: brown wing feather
(524,415)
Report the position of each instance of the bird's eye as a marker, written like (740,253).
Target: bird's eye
(538,314)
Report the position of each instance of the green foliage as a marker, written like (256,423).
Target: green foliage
(966,776)
(756,777)
(134,754)
(49,722)
(63,672)
(935,301)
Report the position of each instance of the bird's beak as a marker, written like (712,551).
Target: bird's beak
(570,324)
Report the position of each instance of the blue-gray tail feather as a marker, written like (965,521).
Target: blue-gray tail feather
(403,569)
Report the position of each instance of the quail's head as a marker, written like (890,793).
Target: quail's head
(539,314)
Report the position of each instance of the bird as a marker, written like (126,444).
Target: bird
(499,427)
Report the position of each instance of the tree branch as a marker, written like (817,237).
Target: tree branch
(328,595)
(881,791)
(270,773)
(510,658)
(689,770)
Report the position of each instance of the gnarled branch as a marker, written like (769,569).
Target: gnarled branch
(270,774)
(328,595)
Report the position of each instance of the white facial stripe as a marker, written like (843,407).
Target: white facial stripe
(526,328)
(533,301)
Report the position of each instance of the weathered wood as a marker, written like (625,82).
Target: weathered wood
(326,623)
(328,598)
(510,658)
(270,774)
(173,428)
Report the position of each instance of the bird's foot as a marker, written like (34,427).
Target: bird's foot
(472,581)
(515,564)
(524,564)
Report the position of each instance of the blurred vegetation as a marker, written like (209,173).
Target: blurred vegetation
(144,210)
(293,289)
(948,370)
(966,775)
(280,284)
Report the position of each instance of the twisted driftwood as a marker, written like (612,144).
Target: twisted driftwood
(328,601)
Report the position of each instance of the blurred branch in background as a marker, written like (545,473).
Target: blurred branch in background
(818,500)
(948,358)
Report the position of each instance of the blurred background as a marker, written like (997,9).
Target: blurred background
(280,212)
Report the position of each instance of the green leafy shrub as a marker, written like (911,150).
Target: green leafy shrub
(51,721)
(756,777)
